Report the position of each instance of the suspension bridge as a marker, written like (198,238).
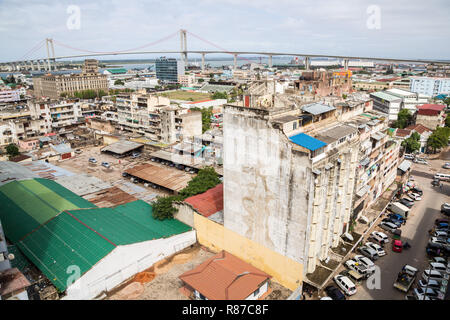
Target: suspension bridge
(48,62)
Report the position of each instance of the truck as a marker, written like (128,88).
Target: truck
(405,278)
(398,208)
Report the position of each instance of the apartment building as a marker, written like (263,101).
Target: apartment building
(154,117)
(391,101)
(430,86)
(169,69)
(9,95)
(58,114)
(324,83)
(53,86)
(186,80)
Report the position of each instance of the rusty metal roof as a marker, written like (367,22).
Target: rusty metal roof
(171,179)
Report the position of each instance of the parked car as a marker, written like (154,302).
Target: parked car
(415,196)
(388,226)
(439,259)
(445,208)
(429,274)
(345,284)
(435,183)
(365,262)
(438,266)
(358,267)
(407,202)
(106,164)
(446,165)
(398,223)
(439,221)
(396,217)
(441,241)
(440,234)
(135,155)
(437,250)
(417,190)
(433,284)
(334,293)
(380,251)
(92,160)
(368,252)
(78,151)
(425,292)
(420,161)
(409,156)
(379,237)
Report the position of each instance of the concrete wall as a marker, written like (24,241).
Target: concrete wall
(216,237)
(266,184)
(185,213)
(124,262)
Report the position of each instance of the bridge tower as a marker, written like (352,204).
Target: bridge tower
(49,46)
(183,46)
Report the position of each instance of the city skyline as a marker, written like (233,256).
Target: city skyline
(362,28)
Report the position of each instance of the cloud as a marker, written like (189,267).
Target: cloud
(409,29)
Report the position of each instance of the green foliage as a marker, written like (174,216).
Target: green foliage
(220,95)
(12,150)
(447,121)
(119,82)
(163,209)
(447,101)
(344,96)
(412,143)
(439,138)
(206,179)
(404,117)
(85,94)
(201,80)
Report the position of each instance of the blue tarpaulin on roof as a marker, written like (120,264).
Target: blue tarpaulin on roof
(307,142)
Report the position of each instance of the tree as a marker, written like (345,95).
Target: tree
(447,121)
(447,101)
(403,119)
(220,95)
(206,179)
(206,117)
(412,143)
(344,96)
(201,80)
(119,82)
(163,209)
(439,138)
(12,150)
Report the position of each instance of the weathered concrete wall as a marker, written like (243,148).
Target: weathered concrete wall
(185,213)
(266,184)
(216,237)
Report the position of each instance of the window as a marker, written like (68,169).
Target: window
(294,125)
(256,292)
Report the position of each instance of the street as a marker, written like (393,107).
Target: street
(415,232)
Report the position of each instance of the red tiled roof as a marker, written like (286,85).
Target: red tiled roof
(418,128)
(225,277)
(12,280)
(19,158)
(402,132)
(428,112)
(209,202)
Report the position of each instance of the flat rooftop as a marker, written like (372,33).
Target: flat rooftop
(122,147)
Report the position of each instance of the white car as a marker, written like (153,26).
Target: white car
(345,284)
(388,226)
(380,237)
(365,262)
(438,266)
(439,259)
(415,196)
(446,165)
(442,241)
(433,284)
(421,294)
(377,248)
(428,275)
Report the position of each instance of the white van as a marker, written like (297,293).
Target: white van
(442,176)
(428,275)
(345,284)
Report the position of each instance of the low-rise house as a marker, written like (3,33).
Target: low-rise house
(431,115)
(424,133)
(226,277)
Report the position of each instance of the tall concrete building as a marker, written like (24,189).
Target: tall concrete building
(291,192)
(169,69)
(53,86)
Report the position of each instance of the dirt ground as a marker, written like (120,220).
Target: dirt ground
(165,285)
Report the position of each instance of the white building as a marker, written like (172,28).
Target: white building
(430,86)
(9,95)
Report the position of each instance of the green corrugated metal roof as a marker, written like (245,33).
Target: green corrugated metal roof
(117,71)
(27,204)
(19,261)
(50,227)
(63,242)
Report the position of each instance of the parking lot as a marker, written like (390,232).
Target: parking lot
(415,232)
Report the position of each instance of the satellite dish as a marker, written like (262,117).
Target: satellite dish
(11,256)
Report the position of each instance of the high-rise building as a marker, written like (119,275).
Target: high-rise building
(168,69)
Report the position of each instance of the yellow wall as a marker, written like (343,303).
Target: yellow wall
(107,140)
(216,237)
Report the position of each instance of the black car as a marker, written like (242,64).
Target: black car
(436,250)
(435,183)
(417,190)
(334,293)
(407,203)
(398,223)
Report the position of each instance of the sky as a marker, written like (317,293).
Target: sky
(413,29)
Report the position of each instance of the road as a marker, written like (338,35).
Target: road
(421,219)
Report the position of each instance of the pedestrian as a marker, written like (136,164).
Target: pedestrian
(304,297)
(440,187)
